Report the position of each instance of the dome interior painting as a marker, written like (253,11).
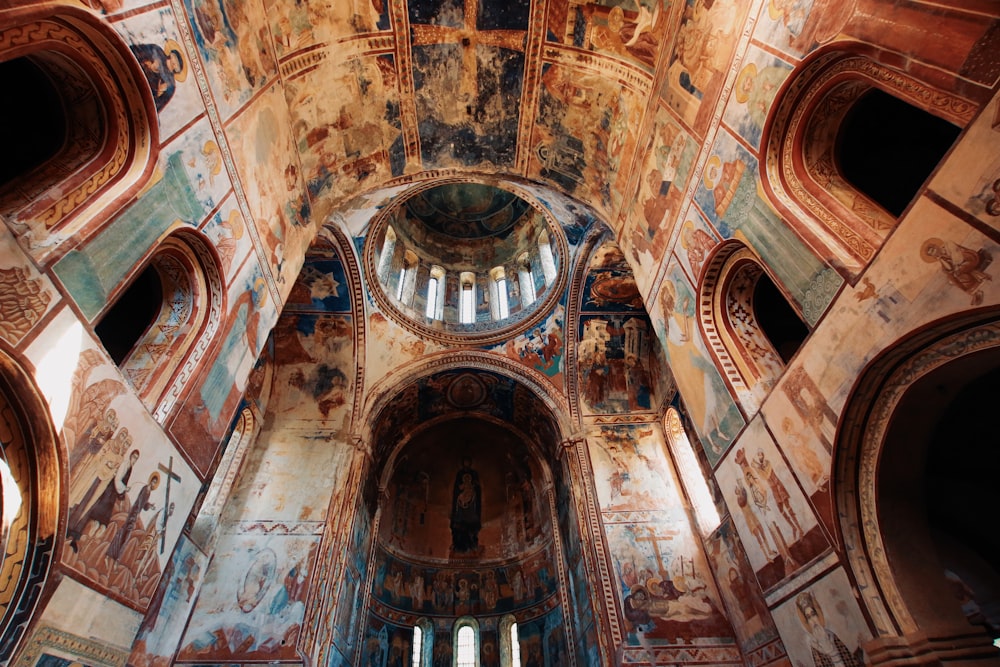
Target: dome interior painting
(483,333)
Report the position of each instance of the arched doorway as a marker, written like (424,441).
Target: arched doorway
(914,488)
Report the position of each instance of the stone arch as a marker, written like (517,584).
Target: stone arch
(801,176)
(727,315)
(34,468)
(185,321)
(110,149)
(886,432)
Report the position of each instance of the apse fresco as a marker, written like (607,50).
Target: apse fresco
(258,614)
(128,482)
(617,368)
(779,528)
(456,497)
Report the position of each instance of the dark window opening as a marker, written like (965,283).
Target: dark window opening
(777,319)
(33,130)
(887,148)
(131,315)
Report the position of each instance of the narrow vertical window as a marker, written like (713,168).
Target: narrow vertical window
(407,277)
(417,637)
(386,256)
(499,305)
(401,283)
(526,279)
(465,647)
(515,647)
(432,290)
(548,261)
(467,305)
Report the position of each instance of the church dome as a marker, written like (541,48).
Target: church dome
(467,262)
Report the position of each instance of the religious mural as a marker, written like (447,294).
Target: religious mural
(779,528)
(757,84)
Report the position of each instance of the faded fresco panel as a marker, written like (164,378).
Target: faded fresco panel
(228,231)
(702,53)
(823,623)
(705,394)
(157,45)
(796,27)
(970,177)
(778,527)
(128,486)
(728,197)
(631,471)
(345,124)
(748,611)
(540,348)
(663,176)
(756,86)
(265,155)
(256,615)
(161,632)
(25,294)
(624,29)
(233,40)
(697,240)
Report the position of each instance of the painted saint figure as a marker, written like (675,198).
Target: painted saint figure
(827,648)
(466,509)
(163,68)
(104,507)
(965,268)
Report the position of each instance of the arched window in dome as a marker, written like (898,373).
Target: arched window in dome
(499,299)
(423,644)
(434,309)
(526,279)
(548,260)
(466,642)
(386,255)
(510,645)
(407,282)
(467,304)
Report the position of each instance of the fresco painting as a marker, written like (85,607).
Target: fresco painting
(631,472)
(346,140)
(161,633)
(697,240)
(541,347)
(702,51)
(128,483)
(262,145)
(748,611)
(662,180)
(728,198)
(618,370)
(188,183)
(620,28)
(256,616)
(779,528)
(760,78)
(796,27)
(25,294)
(166,64)
(706,396)
(823,623)
(228,230)
(233,41)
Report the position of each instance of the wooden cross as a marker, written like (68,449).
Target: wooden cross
(169,473)
(469,38)
(654,541)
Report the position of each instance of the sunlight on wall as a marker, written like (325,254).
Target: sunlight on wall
(55,372)
(687,466)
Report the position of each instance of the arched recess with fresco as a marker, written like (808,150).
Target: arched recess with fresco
(806,142)
(31,500)
(914,484)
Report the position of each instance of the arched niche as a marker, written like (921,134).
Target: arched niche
(921,558)
(33,488)
(802,174)
(746,320)
(111,133)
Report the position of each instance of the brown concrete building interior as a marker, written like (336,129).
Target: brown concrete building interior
(451,333)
